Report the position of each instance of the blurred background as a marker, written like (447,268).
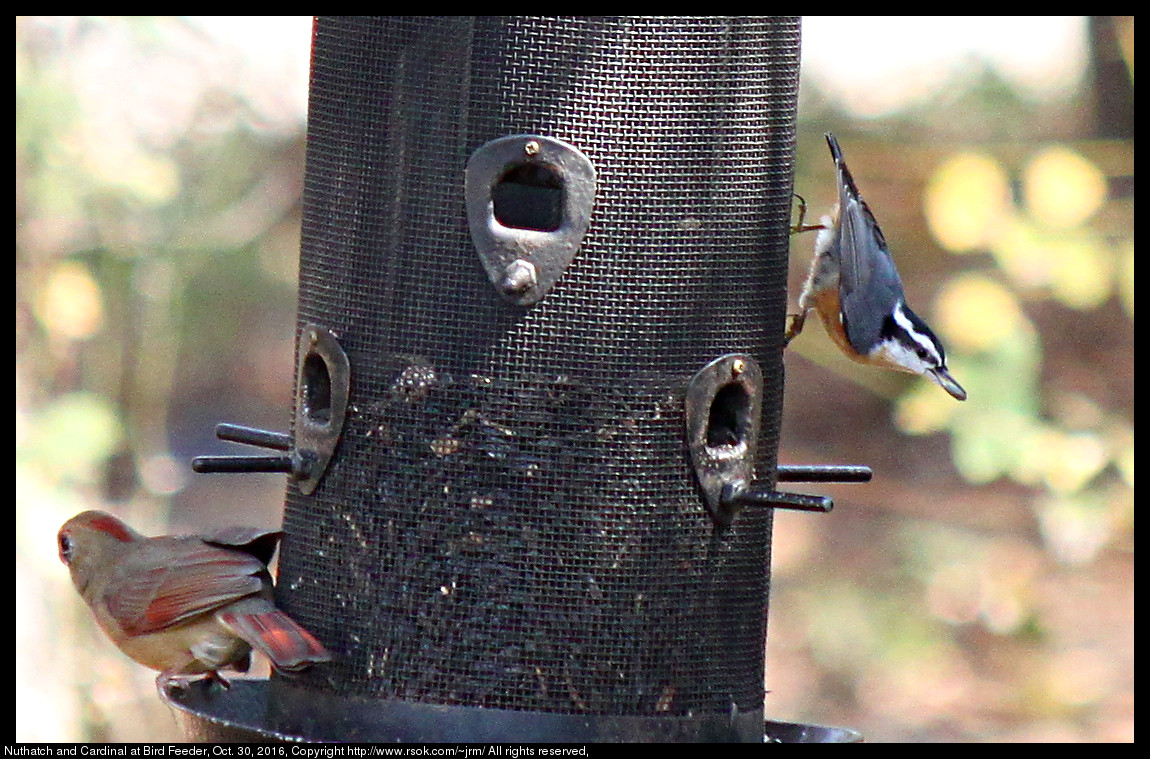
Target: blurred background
(981,588)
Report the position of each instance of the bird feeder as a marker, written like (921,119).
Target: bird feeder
(532,468)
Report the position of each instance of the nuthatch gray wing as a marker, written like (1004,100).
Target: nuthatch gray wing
(855,288)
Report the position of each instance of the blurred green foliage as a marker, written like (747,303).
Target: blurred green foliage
(158,174)
(1060,244)
(993,601)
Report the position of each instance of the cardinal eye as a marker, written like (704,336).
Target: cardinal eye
(65,544)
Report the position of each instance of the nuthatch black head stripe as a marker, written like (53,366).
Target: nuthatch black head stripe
(856,290)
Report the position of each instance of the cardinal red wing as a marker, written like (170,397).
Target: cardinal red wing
(169,580)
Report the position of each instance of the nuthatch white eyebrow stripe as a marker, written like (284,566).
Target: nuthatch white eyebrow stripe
(855,287)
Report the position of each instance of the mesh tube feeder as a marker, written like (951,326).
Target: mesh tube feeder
(539,385)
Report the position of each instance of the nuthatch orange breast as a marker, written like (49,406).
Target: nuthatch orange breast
(856,290)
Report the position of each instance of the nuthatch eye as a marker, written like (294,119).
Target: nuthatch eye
(855,287)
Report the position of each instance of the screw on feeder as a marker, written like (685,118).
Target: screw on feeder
(531,148)
(518,277)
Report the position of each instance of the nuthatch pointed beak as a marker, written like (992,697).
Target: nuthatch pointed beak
(943,378)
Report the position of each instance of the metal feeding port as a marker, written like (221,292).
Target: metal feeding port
(529,201)
(723,406)
(322,382)
(539,384)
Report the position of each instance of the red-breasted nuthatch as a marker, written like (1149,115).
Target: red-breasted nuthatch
(855,287)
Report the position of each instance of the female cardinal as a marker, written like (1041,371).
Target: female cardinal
(184,605)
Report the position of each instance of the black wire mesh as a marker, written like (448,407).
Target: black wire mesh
(510,519)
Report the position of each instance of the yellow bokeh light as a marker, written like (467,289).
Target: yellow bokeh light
(924,410)
(1083,271)
(965,200)
(1020,251)
(1077,266)
(1125,274)
(1062,189)
(151,178)
(974,313)
(1124,460)
(1066,462)
(70,304)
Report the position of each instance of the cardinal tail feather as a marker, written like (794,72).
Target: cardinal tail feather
(290,647)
